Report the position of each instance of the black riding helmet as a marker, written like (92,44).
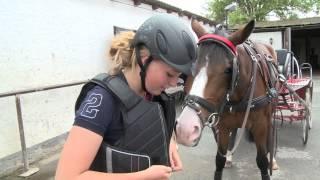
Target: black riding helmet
(169,39)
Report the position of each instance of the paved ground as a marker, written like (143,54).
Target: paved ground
(296,161)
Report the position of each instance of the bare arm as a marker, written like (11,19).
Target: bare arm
(175,160)
(78,153)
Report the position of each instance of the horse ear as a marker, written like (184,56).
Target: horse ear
(197,28)
(242,34)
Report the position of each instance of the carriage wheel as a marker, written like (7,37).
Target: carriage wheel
(308,99)
(275,148)
(305,128)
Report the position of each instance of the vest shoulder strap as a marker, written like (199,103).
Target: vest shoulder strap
(119,88)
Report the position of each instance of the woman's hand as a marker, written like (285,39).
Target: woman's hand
(176,163)
(156,172)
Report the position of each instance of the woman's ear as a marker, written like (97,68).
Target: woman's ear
(144,55)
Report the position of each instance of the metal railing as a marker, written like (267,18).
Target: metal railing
(27,171)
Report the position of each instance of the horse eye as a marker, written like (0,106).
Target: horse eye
(228,70)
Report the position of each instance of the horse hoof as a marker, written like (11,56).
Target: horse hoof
(228,164)
(217,175)
(265,177)
(275,165)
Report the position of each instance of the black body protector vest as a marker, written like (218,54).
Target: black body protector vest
(148,127)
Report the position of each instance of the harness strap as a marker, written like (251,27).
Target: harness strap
(263,68)
(192,99)
(273,71)
(247,112)
(267,68)
(257,103)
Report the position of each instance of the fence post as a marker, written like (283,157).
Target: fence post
(27,171)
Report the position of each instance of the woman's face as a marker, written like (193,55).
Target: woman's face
(160,76)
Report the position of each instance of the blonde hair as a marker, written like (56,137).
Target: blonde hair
(122,54)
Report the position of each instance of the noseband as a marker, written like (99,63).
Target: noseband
(196,102)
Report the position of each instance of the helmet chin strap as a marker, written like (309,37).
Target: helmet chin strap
(143,70)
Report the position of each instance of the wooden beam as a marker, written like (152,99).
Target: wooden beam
(136,2)
(154,7)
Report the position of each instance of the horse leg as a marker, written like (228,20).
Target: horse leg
(223,138)
(263,163)
(260,137)
(232,141)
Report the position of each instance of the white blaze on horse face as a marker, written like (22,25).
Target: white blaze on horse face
(199,82)
(188,123)
(188,127)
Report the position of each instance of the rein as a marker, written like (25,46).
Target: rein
(253,84)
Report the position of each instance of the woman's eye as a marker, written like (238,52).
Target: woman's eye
(170,75)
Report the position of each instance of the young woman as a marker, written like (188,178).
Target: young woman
(148,61)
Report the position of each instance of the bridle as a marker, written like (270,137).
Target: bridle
(196,102)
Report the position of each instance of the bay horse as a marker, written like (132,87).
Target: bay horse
(232,83)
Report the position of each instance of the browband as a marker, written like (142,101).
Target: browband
(219,39)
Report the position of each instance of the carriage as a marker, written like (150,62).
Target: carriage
(295,93)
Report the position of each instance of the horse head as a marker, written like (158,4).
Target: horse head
(215,77)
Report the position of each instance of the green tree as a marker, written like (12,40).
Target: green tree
(259,9)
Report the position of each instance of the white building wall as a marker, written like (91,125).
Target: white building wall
(49,42)
(266,36)
(9,136)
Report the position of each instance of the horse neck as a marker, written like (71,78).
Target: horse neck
(188,84)
(245,75)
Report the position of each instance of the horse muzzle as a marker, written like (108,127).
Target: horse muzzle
(189,128)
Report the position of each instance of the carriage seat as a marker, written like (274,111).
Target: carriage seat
(284,58)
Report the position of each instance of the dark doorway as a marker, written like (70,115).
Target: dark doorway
(305,45)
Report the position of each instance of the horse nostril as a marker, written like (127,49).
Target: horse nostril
(196,129)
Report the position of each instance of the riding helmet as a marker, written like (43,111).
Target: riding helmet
(169,39)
